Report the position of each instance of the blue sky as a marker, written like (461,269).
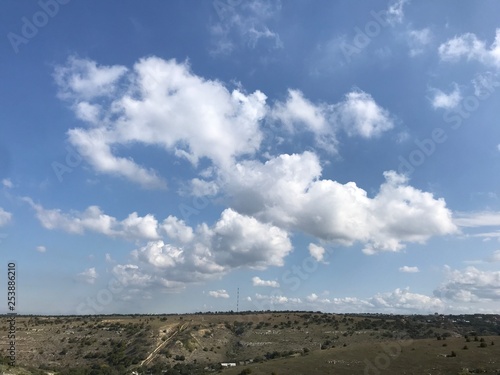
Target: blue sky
(332,156)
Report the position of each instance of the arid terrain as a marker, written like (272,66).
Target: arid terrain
(255,343)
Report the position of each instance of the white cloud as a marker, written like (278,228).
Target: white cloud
(257,281)
(446,100)
(94,220)
(314,298)
(418,40)
(88,276)
(135,226)
(470,47)
(83,78)
(397,301)
(239,240)
(408,269)
(360,115)
(287,191)
(395,13)
(403,299)
(275,299)
(7,183)
(317,252)
(162,104)
(470,285)
(357,114)
(5,217)
(477,219)
(160,255)
(298,112)
(94,145)
(298,109)
(234,241)
(41,249)
(177,230)
(130,275)
(221,293)
(245,24)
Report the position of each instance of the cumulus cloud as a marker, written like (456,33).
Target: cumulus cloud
(470,285)
(360,115)
(274,299)
(162,103)
(288,191)
(94,220)
(314,298)
(41,249)
(403,299)
(243,240)
(83,78)
(159,254)
(5,217)
(400,300)
(183,254)
(444,100)
(257,281)
(130,275)
(471,48)
(317,252)
(234,241)
(88,276)
(221,293)
(357,114)
(298,113)
(408,269)
(177,230)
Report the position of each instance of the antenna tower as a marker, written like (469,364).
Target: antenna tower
(238,300)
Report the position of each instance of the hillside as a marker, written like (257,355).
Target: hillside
(266,343)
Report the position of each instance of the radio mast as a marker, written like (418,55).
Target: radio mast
(238,300)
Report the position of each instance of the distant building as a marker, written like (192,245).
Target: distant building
(228,364)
